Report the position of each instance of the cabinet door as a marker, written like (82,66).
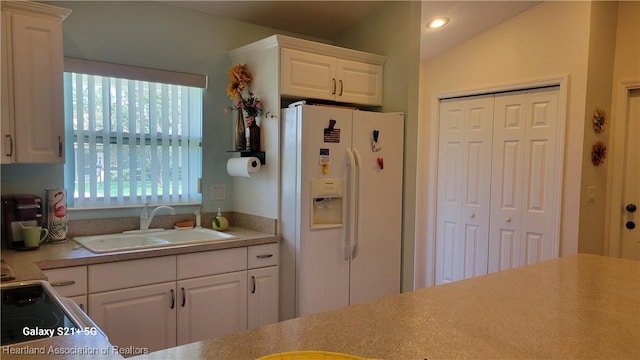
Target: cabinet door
(358,82)
(141,317)
(307,75)
(38,88)
(8,132)
(211,306)
(263,297)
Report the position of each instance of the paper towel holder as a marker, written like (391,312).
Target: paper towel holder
(261,155)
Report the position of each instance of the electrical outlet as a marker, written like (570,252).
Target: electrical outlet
(218,192)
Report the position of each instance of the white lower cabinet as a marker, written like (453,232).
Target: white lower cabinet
(211,306)
(162,302)
(134,302)
(263,307)
(143,317)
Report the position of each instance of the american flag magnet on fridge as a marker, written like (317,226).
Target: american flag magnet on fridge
(331,134)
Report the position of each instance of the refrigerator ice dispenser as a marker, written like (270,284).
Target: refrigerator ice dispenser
(327,208)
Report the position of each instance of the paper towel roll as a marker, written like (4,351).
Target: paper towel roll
(243,166)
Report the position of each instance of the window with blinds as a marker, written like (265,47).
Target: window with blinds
(135,138)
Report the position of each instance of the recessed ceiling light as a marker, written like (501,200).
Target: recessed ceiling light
(437,22)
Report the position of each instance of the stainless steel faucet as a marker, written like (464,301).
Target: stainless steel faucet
(145,219)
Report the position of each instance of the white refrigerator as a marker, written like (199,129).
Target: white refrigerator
(341,207)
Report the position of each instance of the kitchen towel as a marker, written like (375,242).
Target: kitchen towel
(243,166)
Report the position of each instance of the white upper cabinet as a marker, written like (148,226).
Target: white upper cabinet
(305,74)
(32,90)
(310,70)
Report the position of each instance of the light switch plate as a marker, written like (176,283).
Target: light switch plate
(591,193)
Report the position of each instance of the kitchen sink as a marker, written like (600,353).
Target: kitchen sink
(152,239)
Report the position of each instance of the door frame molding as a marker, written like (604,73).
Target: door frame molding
(615,173)
(426,214)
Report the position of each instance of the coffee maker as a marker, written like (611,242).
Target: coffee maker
(19,209)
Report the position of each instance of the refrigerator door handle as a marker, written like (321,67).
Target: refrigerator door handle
(352,203)
(356,236)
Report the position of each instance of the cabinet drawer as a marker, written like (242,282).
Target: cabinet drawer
(263,255)
(126,274)
(212,262)
(70,281)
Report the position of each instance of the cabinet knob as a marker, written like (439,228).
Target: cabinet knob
(472,215)
(333,86)
(508,219)
(631,208)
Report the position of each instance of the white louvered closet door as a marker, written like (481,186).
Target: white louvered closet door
(524,183)
(464,178)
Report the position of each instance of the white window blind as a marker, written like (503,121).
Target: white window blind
(134,141)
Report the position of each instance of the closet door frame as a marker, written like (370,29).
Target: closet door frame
(425,249)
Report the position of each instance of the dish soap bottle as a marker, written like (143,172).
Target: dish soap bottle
(220,222)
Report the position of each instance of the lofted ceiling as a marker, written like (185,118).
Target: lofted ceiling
(328,19)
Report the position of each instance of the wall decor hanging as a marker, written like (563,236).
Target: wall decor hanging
(599,120)
(598,153)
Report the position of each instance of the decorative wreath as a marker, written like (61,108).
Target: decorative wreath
(598,153)
(599,120)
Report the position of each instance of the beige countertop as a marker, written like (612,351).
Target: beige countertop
(582,306)
(27,265)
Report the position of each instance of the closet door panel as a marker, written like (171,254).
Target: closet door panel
(508,249)
(477,179)
(506,188)
(463,180)
(522,196)
(538,217)
(450,163)
(534,246)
